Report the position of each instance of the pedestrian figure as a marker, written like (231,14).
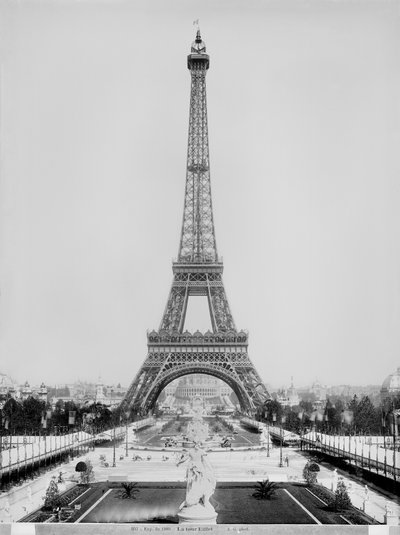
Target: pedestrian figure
(287,460)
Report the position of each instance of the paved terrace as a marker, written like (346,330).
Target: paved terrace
(20,453)
(372,453)
(369,453)
(160,466)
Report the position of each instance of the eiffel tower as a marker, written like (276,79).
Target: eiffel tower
(197,272)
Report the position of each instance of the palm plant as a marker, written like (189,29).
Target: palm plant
(128,491)
(264,490)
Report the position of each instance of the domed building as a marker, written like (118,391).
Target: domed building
(288,397)
(391,386)
(7,386)
(198,389)
(26,391)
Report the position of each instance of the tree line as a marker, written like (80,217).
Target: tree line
(358,416)
(33,416)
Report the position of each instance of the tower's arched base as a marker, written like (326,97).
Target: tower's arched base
(223,356)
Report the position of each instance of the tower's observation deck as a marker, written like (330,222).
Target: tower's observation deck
(198,59)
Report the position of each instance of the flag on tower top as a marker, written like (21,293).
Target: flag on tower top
(196,22)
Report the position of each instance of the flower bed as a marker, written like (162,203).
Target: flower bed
(72,494)
(352,514)
(65,512)
(322,493)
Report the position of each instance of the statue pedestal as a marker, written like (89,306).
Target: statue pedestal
(198,514)
(391,519)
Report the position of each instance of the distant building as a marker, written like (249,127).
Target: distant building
(8,387)
(83,393)
(42,393)
(111,395)
(319,391)
(288,397)
(26,391)
(198,389)
(316,394)
(391,386)
(100,391)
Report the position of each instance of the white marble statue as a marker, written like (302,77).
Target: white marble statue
(265,438)
(334,480)
(199,477)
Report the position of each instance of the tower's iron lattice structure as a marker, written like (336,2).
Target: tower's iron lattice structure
(197,271)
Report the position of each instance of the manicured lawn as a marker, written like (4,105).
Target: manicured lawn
(237,506)
(151,504)
(234,504)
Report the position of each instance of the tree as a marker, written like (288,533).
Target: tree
(293,422)
(264,490)
(366,417)
(52,498)
(333,411)
(87,476)
(342,499)
(14,415)
(272,408)
(308,397)
(310,472)
(32,410)
(128,491)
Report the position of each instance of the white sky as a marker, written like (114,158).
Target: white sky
(304,125)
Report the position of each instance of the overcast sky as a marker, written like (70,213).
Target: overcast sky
(304,127)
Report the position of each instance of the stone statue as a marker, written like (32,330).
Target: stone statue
(334,480)
(388,508)
(265,438)
(199,476)
(200,480)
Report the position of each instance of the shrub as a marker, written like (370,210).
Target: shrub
(310,472)
(341,500)
(87,476)
(52,498)
(323,493)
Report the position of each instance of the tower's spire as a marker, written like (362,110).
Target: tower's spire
(197,244)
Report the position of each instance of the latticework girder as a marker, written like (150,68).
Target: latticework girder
(197,242)
(198,271)
(232,366)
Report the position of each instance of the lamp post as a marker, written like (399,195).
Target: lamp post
(281,444)
(395,414)
(1,448)
(384,443)
(326,432)
(127,414)
(300,415)
(113,441)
